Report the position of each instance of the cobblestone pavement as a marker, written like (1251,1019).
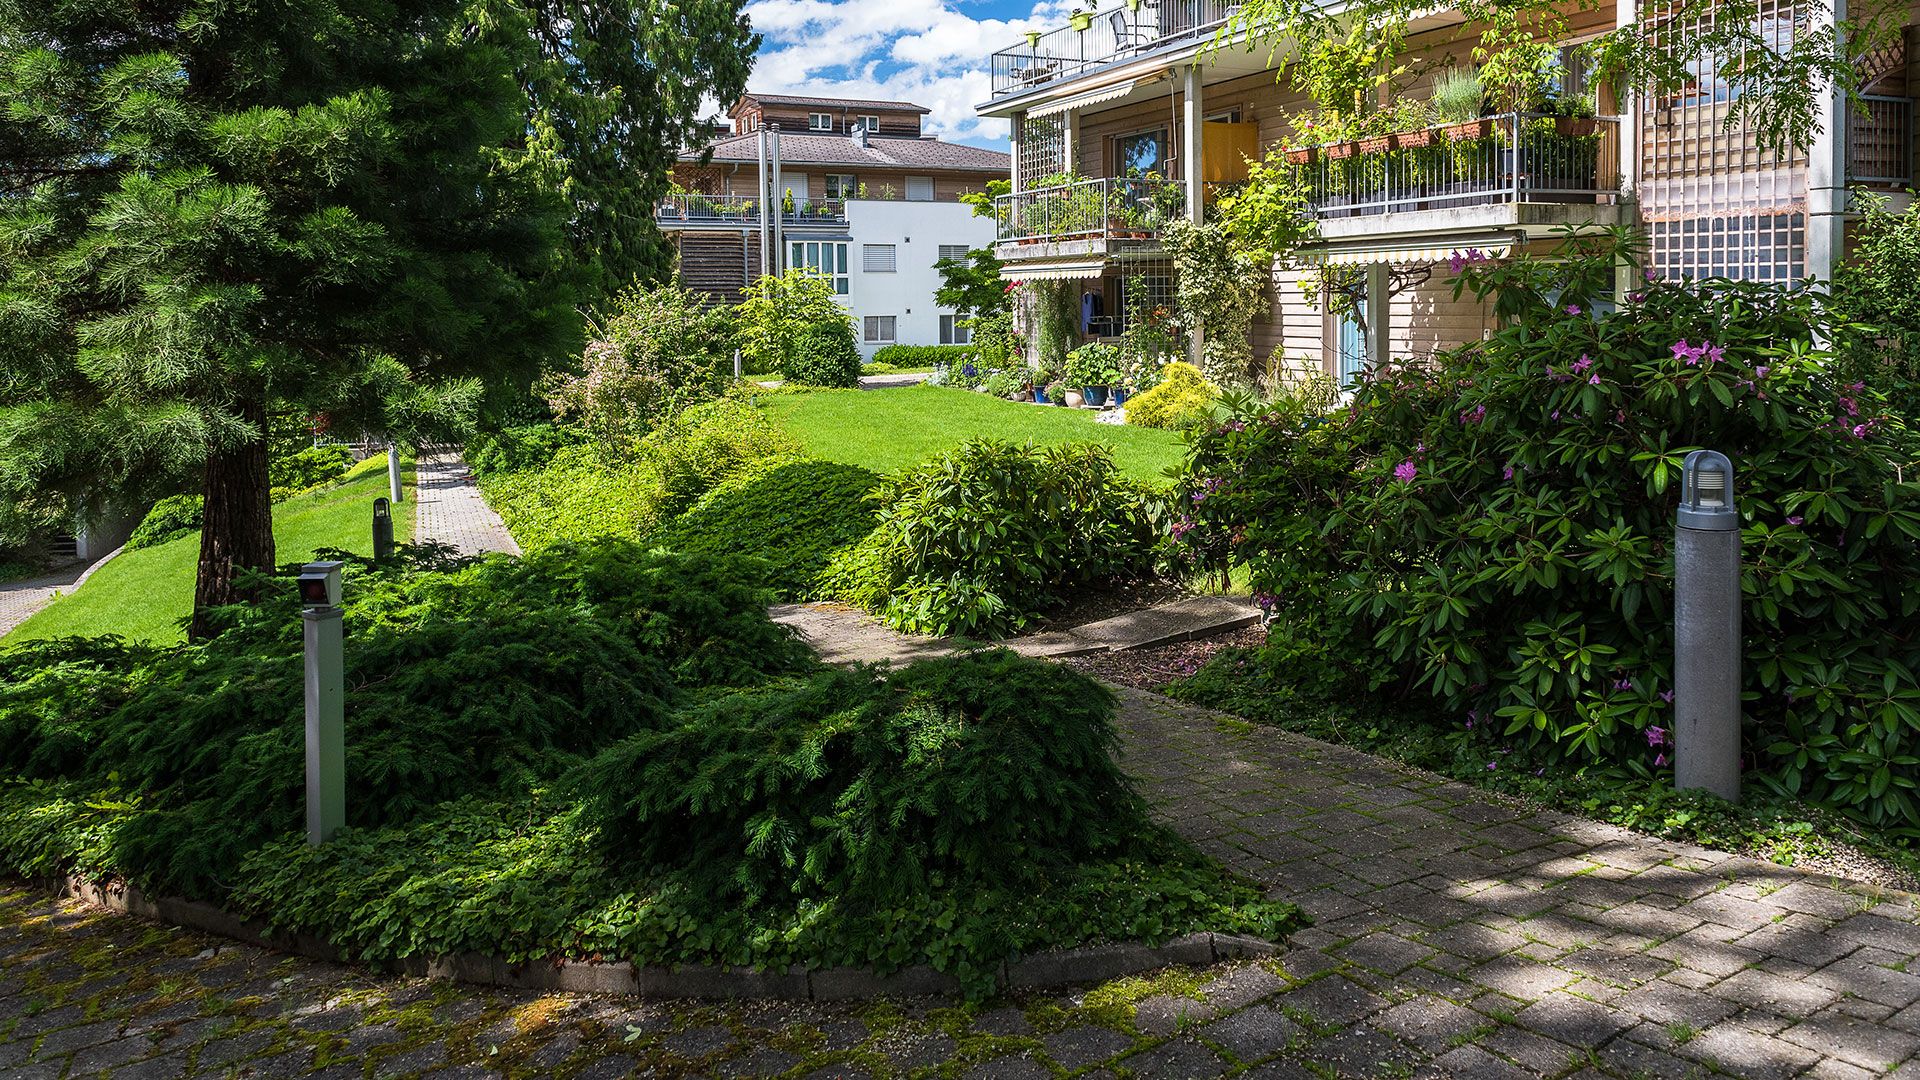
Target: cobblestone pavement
(1456,936)
(20,599)
(451,510)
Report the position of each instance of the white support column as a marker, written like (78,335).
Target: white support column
(1827,170)
(1070,142)
(1626,13)
(1017,125)
(1379,344)
(1192,121)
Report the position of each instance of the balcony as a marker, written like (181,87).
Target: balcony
(1880,142)
(1085,218)
(695,211)
(1110,36)
(1505,160)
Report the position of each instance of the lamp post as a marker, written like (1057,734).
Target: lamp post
(1706,629)
(326,701)
(393,472)
(382,530)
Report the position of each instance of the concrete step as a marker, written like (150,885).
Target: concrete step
(1182,620)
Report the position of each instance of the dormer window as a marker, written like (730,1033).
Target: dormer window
(873,124)
(819,121)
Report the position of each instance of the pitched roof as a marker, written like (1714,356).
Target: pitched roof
(833,102)
(881,151)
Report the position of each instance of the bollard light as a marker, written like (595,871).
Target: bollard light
(382,530)
(1706,629)
(326,700)
(393,472)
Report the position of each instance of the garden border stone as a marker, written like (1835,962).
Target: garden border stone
(1063,967)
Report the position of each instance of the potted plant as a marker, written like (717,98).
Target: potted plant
(1033,39)
(1573,117)
(1081,20)
(1412,125)
(1458,101)
(1094,367)
(1056,393)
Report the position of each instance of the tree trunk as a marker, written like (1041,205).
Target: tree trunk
(237,533)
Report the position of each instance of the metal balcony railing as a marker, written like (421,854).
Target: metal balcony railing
(1119,208)
(1112,35)
(695,209)
(1513,158)
(1880,141)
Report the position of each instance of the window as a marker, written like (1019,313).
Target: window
(953,252)
(1352,343)
(872,122)
(880,329)
(955,331)
(876,258)
(1142,154)
(841,186)
(828,258)
(819,121)
(919,189)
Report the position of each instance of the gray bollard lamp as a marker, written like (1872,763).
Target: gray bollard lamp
(326,700)
(1706,629)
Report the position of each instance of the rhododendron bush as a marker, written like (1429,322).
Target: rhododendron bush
(1490,530)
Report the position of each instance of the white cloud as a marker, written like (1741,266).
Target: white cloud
(929,52)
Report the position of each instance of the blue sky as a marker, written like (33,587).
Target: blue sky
(931,52)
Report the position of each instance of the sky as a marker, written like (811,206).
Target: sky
(930,52)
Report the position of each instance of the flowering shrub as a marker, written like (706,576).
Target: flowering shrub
(660,351)
(1492,531)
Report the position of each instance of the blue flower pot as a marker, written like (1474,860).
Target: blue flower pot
(1096,395)
(1040,397)
(1119,396)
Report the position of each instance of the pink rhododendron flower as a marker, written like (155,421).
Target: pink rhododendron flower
(1595,381)
(1406,471)
(1795,519)
(1573,309)
(1659,761)
(1656,736)
(1508,474)
(1582,364)
(1456,262)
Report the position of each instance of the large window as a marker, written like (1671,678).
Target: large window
(919,189)
(880,329)
(841,186)
(955,331)
(877,258)
(828,258)
(819,121)
(872,122)
(1143,153)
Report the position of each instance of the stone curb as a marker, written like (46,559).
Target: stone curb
(1065,967)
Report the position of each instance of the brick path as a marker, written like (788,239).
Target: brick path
(1456,936)
(20,599)
(451,510)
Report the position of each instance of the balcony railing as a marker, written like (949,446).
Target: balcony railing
(1880,141)
(1112,35)
(1121,208)
(694,209)
(1500,159)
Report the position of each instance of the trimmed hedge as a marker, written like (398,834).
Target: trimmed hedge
(923,356)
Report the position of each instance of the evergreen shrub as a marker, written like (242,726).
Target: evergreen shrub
(988,534)
(309,468)
(172,517)
(1489,534)
(787,517)
(514,449)
(1182,399)
(902,357)
(824,354)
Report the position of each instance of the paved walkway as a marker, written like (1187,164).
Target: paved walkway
(20,599)
(1456,936)
(451,510)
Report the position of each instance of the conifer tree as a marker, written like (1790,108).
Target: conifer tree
(212,210)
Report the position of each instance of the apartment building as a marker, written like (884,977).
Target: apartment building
(1141,108)
(851,188)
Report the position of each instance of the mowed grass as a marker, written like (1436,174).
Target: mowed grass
(893,429)
(144,595)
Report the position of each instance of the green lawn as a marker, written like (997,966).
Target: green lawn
(143,595)
(889,430)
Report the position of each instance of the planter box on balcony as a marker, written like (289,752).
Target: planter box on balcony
(1472,129)
(1304,155)
(1377,144)
(1573,127)
(1340,151)
(1413,140)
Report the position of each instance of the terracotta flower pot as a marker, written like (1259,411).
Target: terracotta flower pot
(1303,155)
(1472,129)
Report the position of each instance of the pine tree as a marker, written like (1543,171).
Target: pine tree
(210,210)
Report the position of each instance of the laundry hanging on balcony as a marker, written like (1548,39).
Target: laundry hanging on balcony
(1092,308)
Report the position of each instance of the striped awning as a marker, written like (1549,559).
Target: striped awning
(1073,271)
(1078,101)
(1406,254)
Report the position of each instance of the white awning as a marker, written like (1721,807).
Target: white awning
(1404,254)
(1091,97)
(1073,271)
